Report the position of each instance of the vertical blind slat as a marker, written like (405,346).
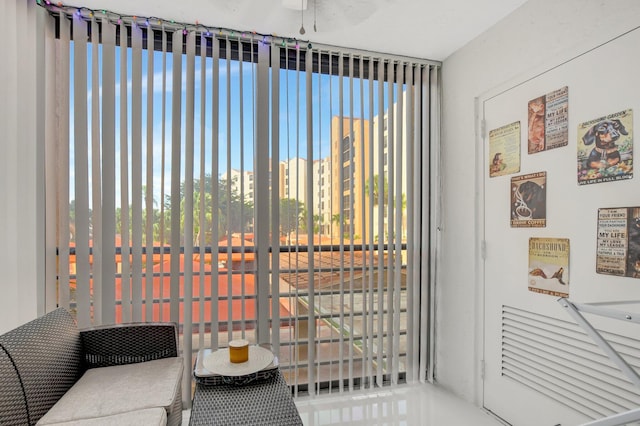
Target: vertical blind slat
(422,196)
(228,189)
(108,88)
(351,219)
(300,339)
(188,207)
(52,142)
(412,295)
(241,143)
(380,254)
(162,237)
(150,187)
(332,165)
(366,147)
(81,172)
(125,272)
(398,201)
(274,179)
(318,356)
(136,172)
(370,354)
(341,212)
(96,172)
(215,237)
(431,136)
(62,94)
(311,352)
(176,163)
(351,206)
(389,208)
(261,143)
(202,202)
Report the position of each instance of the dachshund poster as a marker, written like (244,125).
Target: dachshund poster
(529,200)
(549,266)
(618,251)
(548,118)
(504,150)
(605,149)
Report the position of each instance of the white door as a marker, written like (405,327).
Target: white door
(539,368)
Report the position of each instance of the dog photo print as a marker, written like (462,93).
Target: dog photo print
(605,148)
(529,200)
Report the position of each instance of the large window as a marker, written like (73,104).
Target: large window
(185,170)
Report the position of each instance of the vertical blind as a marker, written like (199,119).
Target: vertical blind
(246,188)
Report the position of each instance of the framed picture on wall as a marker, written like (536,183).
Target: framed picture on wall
(605,148)
(618,250)
(529,200)
(504,150)
(548,121)
(549,266)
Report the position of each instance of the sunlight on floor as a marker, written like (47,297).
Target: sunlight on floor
(420,404)
(403,405)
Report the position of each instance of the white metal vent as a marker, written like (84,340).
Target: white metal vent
(557,358)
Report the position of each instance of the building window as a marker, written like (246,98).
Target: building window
(347,149)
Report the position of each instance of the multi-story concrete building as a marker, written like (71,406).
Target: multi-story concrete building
(293,179)
(242,183)
(393,150)
(322,195)
(349,169)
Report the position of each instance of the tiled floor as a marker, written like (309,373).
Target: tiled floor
(406,405)
(421,404)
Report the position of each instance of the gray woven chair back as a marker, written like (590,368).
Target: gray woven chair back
(39,362)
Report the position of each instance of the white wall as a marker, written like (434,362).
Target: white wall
(540,34)
(21,160)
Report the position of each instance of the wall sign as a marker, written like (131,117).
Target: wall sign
(548,118)
(605,148)
(549,266)
(504,150)
(618,250)
(529,200)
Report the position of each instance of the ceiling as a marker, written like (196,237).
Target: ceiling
(428,29)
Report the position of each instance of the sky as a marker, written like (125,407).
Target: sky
(240,134)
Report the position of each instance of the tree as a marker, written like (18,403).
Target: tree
(385,195)
(290,214)
(376,192)
(234,214)
(304,214)
(336,218)
(317,223)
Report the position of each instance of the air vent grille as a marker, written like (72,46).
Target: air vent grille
(557,358)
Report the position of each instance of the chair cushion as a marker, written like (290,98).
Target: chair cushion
(147,417)
(107,391)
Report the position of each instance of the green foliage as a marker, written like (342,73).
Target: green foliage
(292,213)
(231,213)
(385,195)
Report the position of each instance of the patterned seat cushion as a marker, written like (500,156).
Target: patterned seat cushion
(107,391)
(148,417)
